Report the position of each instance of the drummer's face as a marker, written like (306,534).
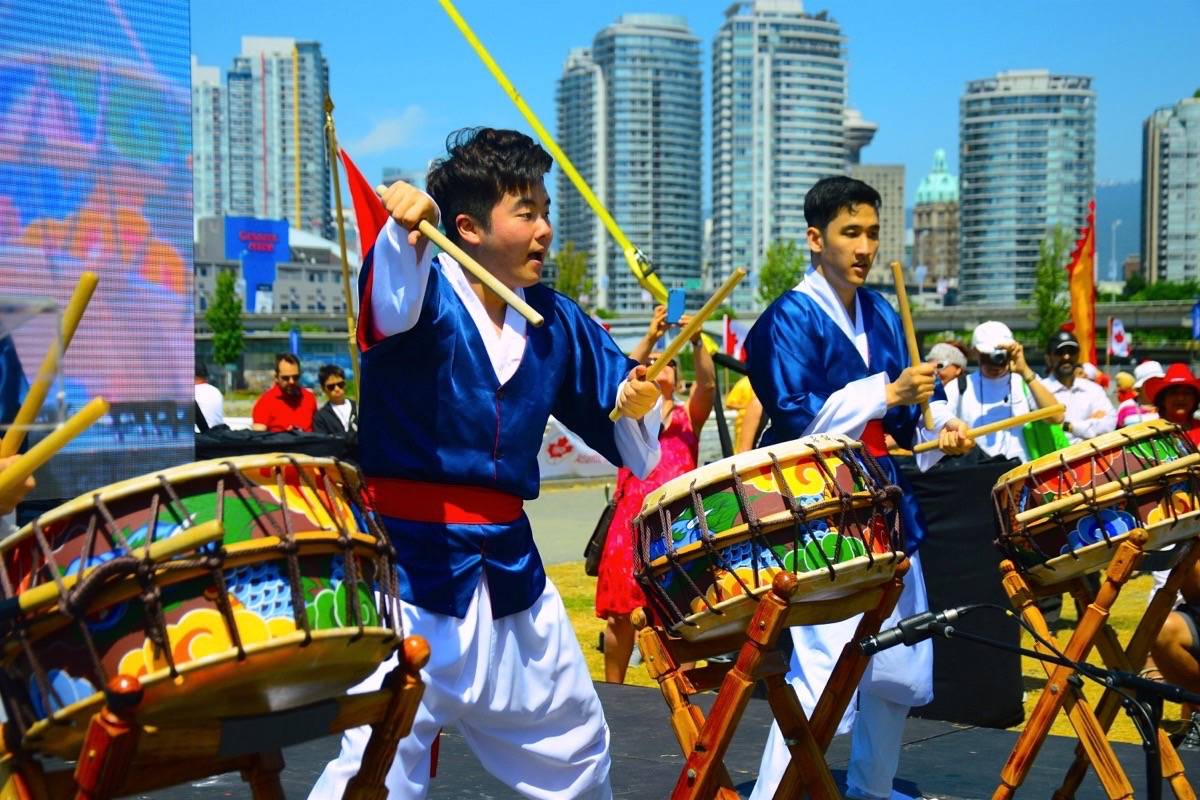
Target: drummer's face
(846,249)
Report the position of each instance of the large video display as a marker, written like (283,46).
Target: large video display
(95,174)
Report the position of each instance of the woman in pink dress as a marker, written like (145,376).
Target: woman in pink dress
(617,593)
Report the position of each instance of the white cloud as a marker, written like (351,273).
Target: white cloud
(390,133)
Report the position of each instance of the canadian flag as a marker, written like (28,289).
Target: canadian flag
(1120,343)
(735,338)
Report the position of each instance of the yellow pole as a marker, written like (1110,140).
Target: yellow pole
(637,260)
(351,331)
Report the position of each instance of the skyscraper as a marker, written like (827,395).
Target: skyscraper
(210,145)
(888,180)
(629,117)
(1027,147)
(582,108)
(935,223)
(1171,192)
(779,95)
(278,161)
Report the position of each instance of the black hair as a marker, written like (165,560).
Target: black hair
(482,164)
(830,195)
(201,370)
(289,358)
(329,369)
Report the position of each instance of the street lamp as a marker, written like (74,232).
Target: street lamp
(1113,268)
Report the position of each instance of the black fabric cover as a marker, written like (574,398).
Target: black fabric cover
(221,442)
(972,684)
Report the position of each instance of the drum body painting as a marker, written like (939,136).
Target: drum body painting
(1062,515)
(711,541)
(232,587)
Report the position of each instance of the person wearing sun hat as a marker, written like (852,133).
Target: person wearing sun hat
(1133,406)
(1176,395)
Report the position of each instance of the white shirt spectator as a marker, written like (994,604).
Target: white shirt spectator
(1083,400)
(211,403)
(985,400)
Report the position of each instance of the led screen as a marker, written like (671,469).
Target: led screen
(95,174)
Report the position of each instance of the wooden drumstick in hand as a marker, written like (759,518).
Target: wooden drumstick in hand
(1000,425)
(689,330)
(910,333)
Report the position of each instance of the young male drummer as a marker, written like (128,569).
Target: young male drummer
(456,392)
(829,357)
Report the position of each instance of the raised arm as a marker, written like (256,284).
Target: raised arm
(704,388)
(645,346)
(401,262)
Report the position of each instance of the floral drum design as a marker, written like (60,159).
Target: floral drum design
(260,497)
(846,512)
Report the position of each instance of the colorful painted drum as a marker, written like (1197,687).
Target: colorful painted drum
(1062,515)
(711,541)
(227,587)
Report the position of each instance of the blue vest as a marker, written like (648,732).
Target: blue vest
(797,357)
(433,410)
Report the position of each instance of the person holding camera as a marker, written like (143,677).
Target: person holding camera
(1003,387)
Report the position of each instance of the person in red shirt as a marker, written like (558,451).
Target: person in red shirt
(1177,395)
(286,406)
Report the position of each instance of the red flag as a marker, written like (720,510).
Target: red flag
(735,338)
(371,217)
(1081,282)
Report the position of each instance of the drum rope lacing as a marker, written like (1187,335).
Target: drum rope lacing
(76,601)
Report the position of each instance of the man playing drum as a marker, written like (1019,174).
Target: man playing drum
(456,392)
(829,357)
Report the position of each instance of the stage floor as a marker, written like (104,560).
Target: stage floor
(940,760)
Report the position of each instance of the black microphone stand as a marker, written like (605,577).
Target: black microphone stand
(1144,705)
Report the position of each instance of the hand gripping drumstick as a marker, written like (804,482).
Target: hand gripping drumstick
(689,330)
(910,333)
(430,231)
(992,427)
(25,465)
(15,435)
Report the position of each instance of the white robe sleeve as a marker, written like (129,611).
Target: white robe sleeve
(849,409)
(942,413)
(398,281)
(637,439)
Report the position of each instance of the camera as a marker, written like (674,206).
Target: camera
(997,358)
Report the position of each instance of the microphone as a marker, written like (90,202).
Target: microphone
(911,630)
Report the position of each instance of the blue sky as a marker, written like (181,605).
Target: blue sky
(402,77)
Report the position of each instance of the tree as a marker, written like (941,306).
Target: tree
(224,316)
(572,279)
(1050,295)
(1134,284)
(781,270)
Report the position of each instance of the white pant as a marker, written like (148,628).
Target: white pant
(895,680)
(517,688)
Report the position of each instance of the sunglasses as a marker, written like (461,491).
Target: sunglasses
(335,385)
(288,378)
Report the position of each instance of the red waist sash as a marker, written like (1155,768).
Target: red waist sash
(422,501)
(873,438)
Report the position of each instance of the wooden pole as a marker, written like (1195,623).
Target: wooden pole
(910,333)
(14,437)
(690,330)
(992,427)
(351,330)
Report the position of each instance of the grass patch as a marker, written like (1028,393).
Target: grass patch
(578,592)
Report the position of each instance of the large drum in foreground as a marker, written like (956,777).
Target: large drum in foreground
(228,588)
(711,541)
(1062,515)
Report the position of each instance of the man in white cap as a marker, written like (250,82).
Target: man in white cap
(1004,387)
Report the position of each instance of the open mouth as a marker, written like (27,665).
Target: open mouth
(536,255)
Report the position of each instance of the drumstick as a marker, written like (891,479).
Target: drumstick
(690,330)
(183,542)
(25,465)
(992,427)
(910,333)
(430,231)
(14,437)
(1103,491)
